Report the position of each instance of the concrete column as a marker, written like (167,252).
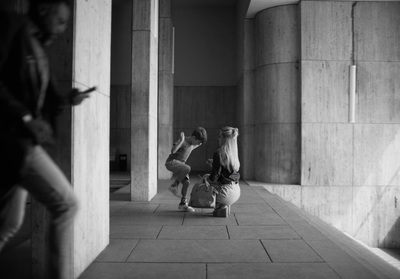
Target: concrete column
(165,88)
(245,90)
(144,103)
(81,58)
(91,130)
(277,95)
(246,104)
(350,171)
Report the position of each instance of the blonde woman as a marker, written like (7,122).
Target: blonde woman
(225,171)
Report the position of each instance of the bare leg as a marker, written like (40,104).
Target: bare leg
(185,186)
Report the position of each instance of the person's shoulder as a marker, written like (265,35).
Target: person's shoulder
(218,152)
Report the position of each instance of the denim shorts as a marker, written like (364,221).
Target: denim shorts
(179,169)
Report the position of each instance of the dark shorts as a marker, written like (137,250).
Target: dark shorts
(179,169)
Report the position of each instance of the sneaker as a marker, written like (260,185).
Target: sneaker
(184,206)
(174,190)
(222,211)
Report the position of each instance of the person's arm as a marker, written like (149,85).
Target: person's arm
(63,99)
(178,143)
(77,96)
(216,168)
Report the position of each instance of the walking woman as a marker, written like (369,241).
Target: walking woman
(225,171)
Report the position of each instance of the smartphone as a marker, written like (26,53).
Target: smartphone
(91,89)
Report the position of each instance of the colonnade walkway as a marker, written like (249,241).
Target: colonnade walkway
(264,237)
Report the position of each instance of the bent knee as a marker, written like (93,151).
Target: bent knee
(10,228)
(188,169)
(67,208)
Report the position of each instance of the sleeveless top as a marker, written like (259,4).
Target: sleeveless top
(182,154)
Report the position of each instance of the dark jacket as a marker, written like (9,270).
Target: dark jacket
(220,173)
(19,95)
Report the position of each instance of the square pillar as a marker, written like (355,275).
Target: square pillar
(165,88)
(144,103)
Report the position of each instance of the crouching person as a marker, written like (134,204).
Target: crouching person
(225,171)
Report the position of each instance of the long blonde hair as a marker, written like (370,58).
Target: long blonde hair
(229,157)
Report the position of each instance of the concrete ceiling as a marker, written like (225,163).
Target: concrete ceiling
(259,5)
(205,3)
(254,7)
(188,3)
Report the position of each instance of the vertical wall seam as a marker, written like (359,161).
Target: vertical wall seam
(352,33)
(353,126)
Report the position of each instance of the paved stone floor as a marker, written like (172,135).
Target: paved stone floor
(264,237)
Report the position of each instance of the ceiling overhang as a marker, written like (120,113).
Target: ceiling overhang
(256,6)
